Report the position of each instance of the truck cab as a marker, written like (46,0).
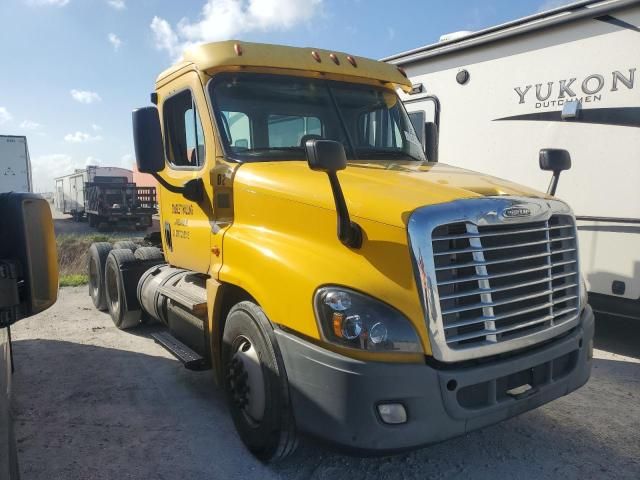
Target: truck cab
(338,283)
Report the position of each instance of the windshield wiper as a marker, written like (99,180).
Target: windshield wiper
(364,153)
(266,149)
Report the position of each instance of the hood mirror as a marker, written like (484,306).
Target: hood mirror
(554,160)
(329,157)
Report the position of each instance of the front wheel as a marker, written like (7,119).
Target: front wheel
(256,384)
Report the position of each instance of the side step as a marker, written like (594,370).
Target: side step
(190,359)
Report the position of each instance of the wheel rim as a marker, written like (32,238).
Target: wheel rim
(246,381)
(113,295)
(94,280)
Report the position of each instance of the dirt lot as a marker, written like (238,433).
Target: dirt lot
(93,402)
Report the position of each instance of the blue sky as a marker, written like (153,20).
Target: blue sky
(72,70)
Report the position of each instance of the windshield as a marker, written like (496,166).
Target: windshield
(270,117)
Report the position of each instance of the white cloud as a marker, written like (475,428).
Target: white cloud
(85,96)
(81,137)
(92,161)
(96,128)
(127,161)
(117,4)
(225,19)
(5,116)
(30,125)
(52,3)
(115,41)
(47,167)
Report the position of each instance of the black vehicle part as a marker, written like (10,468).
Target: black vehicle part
(128,244)
(335,398)
(118,285)
(154,238)
(329,157)
(148,253)
(98,253)
(28,249)
(257,390)
(190,359)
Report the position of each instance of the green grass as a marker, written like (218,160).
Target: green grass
(73,280)
(72,256)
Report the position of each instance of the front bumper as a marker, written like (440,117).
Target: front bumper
(335,397)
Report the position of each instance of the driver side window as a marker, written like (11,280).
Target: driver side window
(184,138)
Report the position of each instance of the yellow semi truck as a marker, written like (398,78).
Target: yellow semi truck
(337,283)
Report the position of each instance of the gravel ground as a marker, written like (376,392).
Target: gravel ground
(93,402)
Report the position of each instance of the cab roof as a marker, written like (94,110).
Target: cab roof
(225,55)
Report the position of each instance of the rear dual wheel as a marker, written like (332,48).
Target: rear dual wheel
(115,289)
(98,253)
(256,384)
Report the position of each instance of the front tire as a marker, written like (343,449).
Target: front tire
(256,384)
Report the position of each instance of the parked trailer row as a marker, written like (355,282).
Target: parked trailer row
(106,196)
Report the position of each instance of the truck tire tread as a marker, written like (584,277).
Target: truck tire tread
(98,253)
(128,244)
(115,293)
(275,437)
(148,253)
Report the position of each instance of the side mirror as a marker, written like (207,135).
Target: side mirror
(431,141)
(329,157)
(325,155)
(554,160)
(147,140)
(28,258)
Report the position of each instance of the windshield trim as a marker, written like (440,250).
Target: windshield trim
(219,124)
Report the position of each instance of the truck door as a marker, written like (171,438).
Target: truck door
(189,150)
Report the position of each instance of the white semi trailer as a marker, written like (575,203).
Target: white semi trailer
(15,166)
(69,194)
(569,79)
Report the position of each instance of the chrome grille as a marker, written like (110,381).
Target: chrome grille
(501,282)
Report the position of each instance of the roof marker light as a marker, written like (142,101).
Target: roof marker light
(238,48)
(335,59)
(316,56)
(352,60)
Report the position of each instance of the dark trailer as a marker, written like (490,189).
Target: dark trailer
(116,202)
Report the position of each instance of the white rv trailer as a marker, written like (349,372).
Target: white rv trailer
(15,166)
(568,78)
(69,189)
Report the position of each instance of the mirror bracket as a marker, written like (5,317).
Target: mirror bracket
(192,190)
(329,157)
(349,233)
(554,160)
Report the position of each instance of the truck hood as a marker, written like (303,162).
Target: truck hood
(382,191)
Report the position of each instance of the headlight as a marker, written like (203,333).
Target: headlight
(351,319)
(584,297)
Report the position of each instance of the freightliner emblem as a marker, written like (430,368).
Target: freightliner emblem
(517,211)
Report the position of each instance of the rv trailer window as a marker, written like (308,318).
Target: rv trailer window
(289,130)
